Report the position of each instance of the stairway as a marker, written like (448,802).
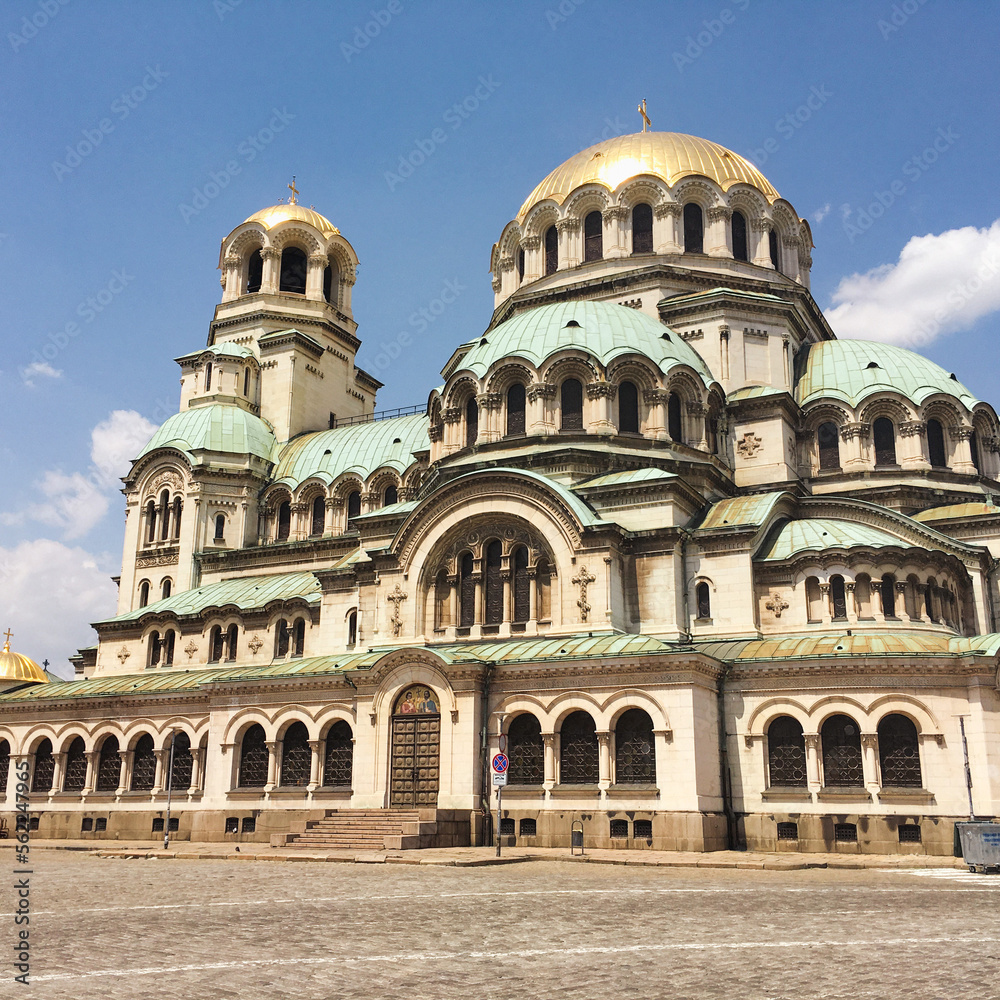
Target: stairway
(366,829)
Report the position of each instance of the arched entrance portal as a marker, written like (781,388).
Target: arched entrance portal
(416,748)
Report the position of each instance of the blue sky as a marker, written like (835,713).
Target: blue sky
(138,135)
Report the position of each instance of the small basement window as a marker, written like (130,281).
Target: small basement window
(619,829)
(232,824)
(642,829)
(846,833)
(528,828)
(249,824)
(788,831)
(507,827)
(101,824)
(909,833)
(87,825)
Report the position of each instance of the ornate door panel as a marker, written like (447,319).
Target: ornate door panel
(415,765)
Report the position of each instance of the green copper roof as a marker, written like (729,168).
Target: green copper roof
(360,448)
(842,369)
(957,510)
(821,533)
(753,392)
(604,331)
(626,478)
(741,511)
(227,349)
(218,427)
(247,593)
(860,644)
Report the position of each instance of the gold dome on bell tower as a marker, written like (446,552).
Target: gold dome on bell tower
(15,667)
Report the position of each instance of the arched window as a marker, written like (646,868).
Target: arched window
(296,756)
(76,766)
(578,753)
(772,246)
(974,450)
(143,593)
(642,228)
(246,381)
(177,517)
(232,641)
(220,527)
(391,495)
(253,758)
(694,228)
(165,588)
(467,591)
(635,754)
(352,628)
(44,769)
(442,600)
(786,753)
(521,584)
(828,439)
(471,422)
(327,283)
(814,600)
(863,596)
(838,597)
(168,640)
(164,515)
(842,767)
(180,773)
(318,515)
(143,764)
(628,408)
(298,637)
(4,763)
(293,271)
(543,584)
(740,247)
(255,272)
(899,753)
(216,644)
(935,444)
(281,631)
(151,521)
(551,250)
(525,751)
(675,426)
(494,584)
(593,237)
(703,595)
(109,765)
(208,377)
(515,409)
(571,405)
(888,595)
(338,763)
(284,520)
(520,264)
(353,505)
(885,441)
(153,649)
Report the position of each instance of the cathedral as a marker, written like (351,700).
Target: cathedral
(709,576)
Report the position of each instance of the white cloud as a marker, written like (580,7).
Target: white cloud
(941,284)
(39,369)
(821,213)
(116,441)
(49,593)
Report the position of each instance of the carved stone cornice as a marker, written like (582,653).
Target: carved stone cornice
(435,432)
(666,208)
(720,213)
(541,390)
(568,226)
(270,253)
(505,264)
(489,400)
(761,225)
(531,242)
(655,396)
(849,431)
(909,428)
(452,415)
(958,433)
(601,390)
(616,213)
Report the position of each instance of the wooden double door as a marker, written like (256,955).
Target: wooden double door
(415,765)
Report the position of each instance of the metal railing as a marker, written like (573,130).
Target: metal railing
(367,418)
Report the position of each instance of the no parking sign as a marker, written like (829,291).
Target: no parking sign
(500,765)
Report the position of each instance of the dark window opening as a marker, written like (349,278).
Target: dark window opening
(635,754)
(232,824)
(885,441)
(974,450)
(675,427)
(935,444)
(143,764)
(284,520)
(467,592)
(109,766)
(220,527)
(786,753)
(788,831)
(216,644)
(232,641)
(249,824)
(842,767)
(528,828)
(353,505)
(318,516)
(391,495)
(828,438)
(520,264)
(151,521)
(208,377)
(352,628)
(838,595)
(642,229)
(694,229)
(143,593)
(740,246)
(299,637)
(703,595)
(571,405)
(182,771)
(521,585)
(293,271)
(772,246)
(593,237)
(165,588)
(281,631)
(296,756)
(578,756)
(246,381)
(86,824)
(909,833)
(628,408)
(327,283)
(525,751)
(154,650)
(471,423)
(76,766)
(551,250)
(4,763)
(619,829)
(642,829)
(253,758)
(845,833)
(494,584)
(169,638)
(255,272)
(506,826)
(339,759)
(899,752)
(888,588)
(515,409)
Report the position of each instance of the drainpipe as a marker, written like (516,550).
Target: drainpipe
(685,601)
(725,779)
(484,755)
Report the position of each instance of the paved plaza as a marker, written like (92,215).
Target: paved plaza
(197,930)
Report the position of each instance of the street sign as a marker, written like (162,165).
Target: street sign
(503,743)
(500,779)
(500,763)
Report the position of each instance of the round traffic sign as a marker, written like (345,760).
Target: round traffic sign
(500,763)
(503,743)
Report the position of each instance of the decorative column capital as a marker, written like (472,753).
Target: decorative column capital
(600,390)
(666,208)
(531,242)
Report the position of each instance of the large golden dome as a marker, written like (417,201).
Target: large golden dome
(276,214)
(15,667)
(667,155)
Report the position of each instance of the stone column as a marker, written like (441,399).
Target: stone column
(334,524)
(812,760)
(824,590)
(869,760)
(300,530)
(532,624)
(761,250)
(58,770)
(271,279)
(851,602)
(231,279)
(666,228)
(480,599)
(508,596)
(789,256)
(532,258)
(656,420)
(718,238)
(539,416)
(314,763)
(490,405)
(124,771)
(273,748)
(601,396)
(614,231)
(697,436)
(93,760)
(570,250)
(604,760)
(962,450)
(549,745)
(197,770)
(913,445)
(160,771)
(453,604)
(315,268)
(452,417)
(854,437)
(505,272)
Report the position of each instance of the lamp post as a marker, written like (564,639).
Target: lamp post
(500,717)
(170,788)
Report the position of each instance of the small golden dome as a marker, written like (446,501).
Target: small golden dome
(667,155)
(15,667)
(276,214)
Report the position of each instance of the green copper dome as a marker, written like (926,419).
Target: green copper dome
(853,370)
(218,427)
(603,330)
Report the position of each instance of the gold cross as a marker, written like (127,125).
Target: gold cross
(295,192)
(6,645)
(646,123)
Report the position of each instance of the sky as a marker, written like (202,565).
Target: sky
(138,135)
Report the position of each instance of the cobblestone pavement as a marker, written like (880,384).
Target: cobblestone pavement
(199,930)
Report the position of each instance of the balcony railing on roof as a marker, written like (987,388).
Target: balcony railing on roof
(367,418)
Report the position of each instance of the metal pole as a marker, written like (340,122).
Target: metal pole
(499,800)
(968,770)
(170,785)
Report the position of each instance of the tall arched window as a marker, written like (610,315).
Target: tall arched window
(515,409)
(543,585)
(151,521)
(786,753)
(675,426)
(255,272)
(299,637)
(76,766)
(772,247)
(842,767)
(318,515)
(169,638)
(694,228)
(109,765)
(628,408)
(143,764)
(327,283)
(442,600)
(593,237)
(280,638)
(143,593)
(216,644)
(338,763)
(180,773)
(44,767)
(494,584)
(519,257)
(471,422)
(899,752)
(571,405)
(551,250)
(888,589)
(885,441)
(284,520)
(353,505)
(828,439)
(467,591)
(635,754)
(974,451)
(935,444)
(391,495)
(220,527)
(253,758)
(838,597)
(642,228)
(164,515)
(177,517)
(232,641)
(246,381)
(703,595)
(4,763)
(525,751)
(208,377)
(740,246)
(521,584)
(293,271)
(352,628)
(296,756)
(153,649)
(578,752)
(165,588)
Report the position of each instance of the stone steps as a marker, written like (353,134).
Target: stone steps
(365,829)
